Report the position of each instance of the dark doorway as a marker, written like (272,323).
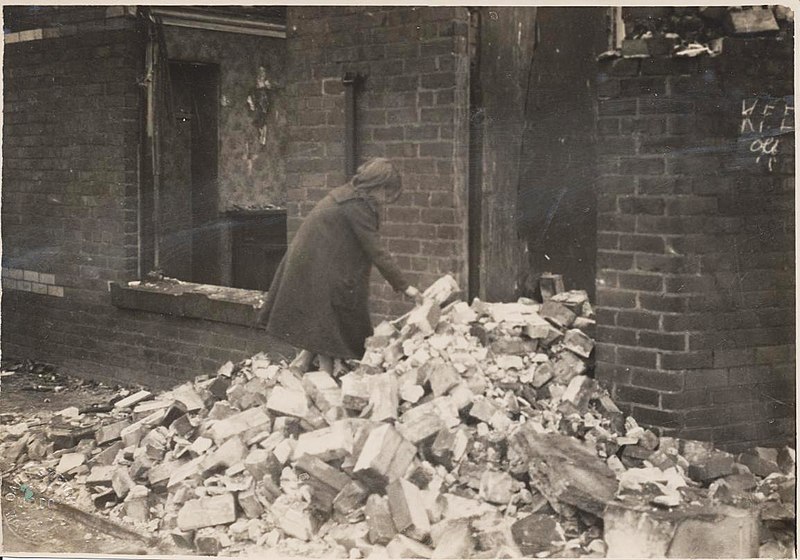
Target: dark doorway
(557,198)
(190,236)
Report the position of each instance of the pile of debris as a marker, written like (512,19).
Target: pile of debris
(465,431)
(686,31)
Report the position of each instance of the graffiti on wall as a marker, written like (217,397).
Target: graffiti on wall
(766,131)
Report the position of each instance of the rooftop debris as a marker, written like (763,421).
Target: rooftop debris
(686,31)
(465,431)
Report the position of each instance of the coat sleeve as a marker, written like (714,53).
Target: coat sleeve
(364,223)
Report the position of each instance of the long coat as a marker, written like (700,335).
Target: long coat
(318,300)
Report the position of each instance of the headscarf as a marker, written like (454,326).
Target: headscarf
(376,173)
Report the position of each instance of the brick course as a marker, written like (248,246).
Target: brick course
(695,247)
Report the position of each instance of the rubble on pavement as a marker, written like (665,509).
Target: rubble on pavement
(466,431)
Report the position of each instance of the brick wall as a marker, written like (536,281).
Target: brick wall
(412,108)
(695,287)
(69,217)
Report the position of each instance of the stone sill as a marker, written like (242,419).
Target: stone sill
(186,299)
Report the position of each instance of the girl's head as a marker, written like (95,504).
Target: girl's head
(379,179)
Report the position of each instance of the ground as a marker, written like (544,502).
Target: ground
(31,527)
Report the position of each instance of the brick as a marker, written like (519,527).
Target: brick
(421,429)
(662,341)
(578,343)
(641,165)
(641,205)
(384,398)
(350,498)
(496,487)
(641,282)
(684,400)
(773,354)
(616,222)
(403,547)
(660,418)
(557,314)
(636,395)
(666,263)
(663,303)
(326,481)
(567,365)
(407,510)
(613,107)
(733,358)
(327,444)
(379,519)
(714,532)
(449,447)
(226,455)
(615,298)
(249,503)
(613,335)
(355,391)
(133,400)
(691,205)
(638,319)
(207,512)
(110,432)
(706,378)
(244,424)
(637,357)
(373,464)
(686,360)
(288,402)
(452,539)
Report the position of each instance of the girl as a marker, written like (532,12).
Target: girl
(318,300)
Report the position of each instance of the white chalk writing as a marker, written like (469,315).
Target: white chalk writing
(764,121)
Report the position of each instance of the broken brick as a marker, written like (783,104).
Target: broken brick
(404,547)
(578,342)
(379,519)
(207,512)
(496,487)
(449,447)
(350,498)
(710,532)
(422,429)
(408,513)
(537,533)
(250,504)
(110,432)
(288,402)
(333,442)
(557,314)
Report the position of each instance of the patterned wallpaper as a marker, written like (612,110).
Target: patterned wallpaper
(251,161)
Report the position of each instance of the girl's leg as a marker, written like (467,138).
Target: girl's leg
(325,364)
(302,362)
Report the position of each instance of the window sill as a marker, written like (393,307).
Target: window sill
(186,299)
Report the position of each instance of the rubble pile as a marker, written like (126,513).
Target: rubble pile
(465,431)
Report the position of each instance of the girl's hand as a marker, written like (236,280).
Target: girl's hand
(414,293)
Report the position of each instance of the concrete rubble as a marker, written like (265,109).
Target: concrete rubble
(466,431)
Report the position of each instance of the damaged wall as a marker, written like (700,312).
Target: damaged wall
(412,108)
(695,245)
(71,131)
(251,173)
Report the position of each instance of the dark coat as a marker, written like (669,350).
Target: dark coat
(318,300)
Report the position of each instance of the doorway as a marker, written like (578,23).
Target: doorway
(191,231)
